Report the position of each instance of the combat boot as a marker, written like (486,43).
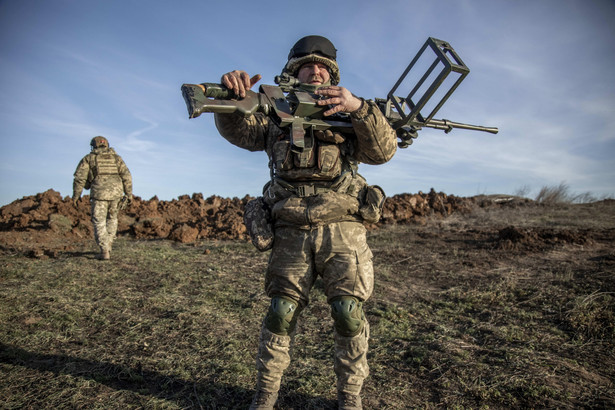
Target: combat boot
(105,255)
(351,367)
(263,400)
(348,401)
(271,361)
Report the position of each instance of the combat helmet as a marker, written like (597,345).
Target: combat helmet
(313,48)
(98,142)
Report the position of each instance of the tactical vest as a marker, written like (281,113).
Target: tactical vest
(318,161)
(105,164)
(316,185)
(322,166)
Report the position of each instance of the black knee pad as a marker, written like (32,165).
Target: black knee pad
(347,312)
(282,315)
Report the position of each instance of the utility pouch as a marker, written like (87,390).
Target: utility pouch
(274,191)
(257,219)
(281,155)
(372,204)
(328,159)
(305,158)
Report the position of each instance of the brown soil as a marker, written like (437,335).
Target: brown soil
(480,302)
(46,224)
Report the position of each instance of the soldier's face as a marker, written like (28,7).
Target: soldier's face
(313,73)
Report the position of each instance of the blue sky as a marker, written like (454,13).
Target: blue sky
(541,71)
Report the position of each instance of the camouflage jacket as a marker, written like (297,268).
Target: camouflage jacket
(328,173)
(104,173)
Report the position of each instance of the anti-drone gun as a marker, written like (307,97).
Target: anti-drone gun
(293,105)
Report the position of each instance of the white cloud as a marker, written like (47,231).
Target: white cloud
(132,142)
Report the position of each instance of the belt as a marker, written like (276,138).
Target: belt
(304,190)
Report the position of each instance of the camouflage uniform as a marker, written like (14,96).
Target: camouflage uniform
(318,205)
(108,178)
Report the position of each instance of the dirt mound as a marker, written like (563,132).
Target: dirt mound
(46,223)
(514,238)
(405,208)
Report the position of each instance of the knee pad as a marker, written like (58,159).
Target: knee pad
(347,312)
(282,315)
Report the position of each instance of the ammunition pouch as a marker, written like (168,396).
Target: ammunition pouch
(321,161)
(257,219)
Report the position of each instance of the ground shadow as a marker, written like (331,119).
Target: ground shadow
(81,254)
(188,394)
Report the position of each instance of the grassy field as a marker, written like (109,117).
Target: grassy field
(503,308)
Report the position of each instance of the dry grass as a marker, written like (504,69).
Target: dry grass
(457,321)
(561,194)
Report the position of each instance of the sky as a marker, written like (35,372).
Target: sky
(540,70)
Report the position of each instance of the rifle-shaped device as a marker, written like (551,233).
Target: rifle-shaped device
(292,104)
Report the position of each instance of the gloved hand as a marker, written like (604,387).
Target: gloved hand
(75,200)
(329,136)
(125,201)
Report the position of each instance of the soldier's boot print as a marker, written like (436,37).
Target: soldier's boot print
(272,360)
(351,368)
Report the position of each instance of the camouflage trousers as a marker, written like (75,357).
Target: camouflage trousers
(104,219)
(337,252)
(350,361)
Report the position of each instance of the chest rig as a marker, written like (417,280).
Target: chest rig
(312,151)
(323,165)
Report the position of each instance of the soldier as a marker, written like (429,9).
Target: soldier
(108,178)
(317,203)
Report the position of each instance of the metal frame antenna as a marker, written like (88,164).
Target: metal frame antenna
(450,62)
